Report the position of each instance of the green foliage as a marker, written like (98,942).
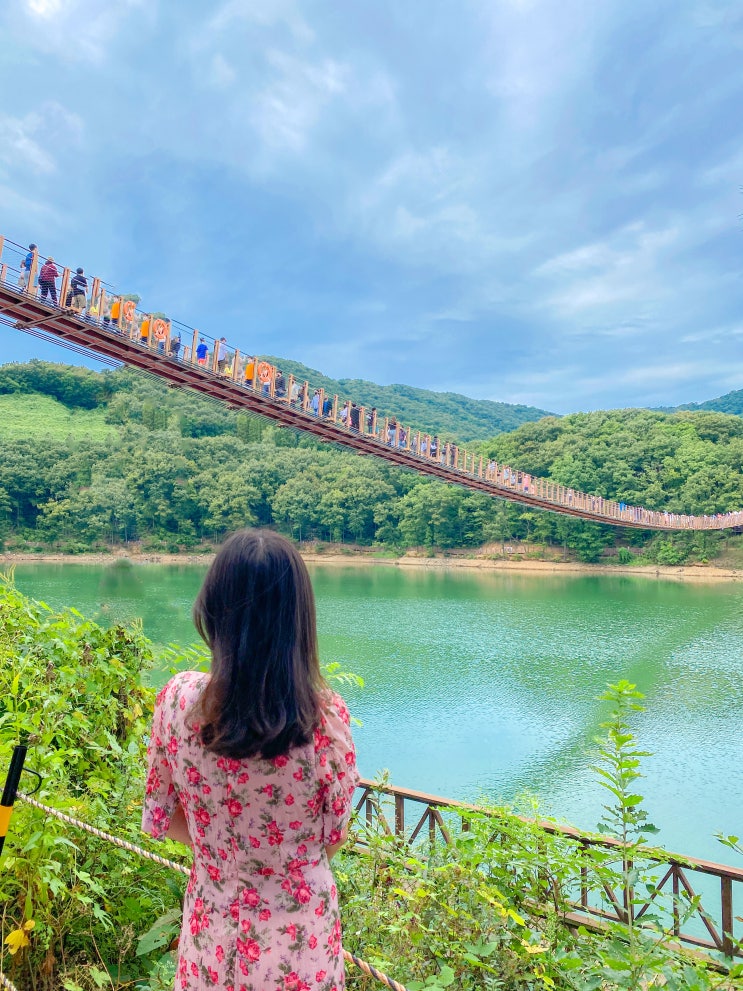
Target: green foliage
(489,910)
(42,417)
(74,692)
(171,470)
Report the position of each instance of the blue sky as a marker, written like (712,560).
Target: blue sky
(527,201)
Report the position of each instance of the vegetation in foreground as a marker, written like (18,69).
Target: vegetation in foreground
(97,461)
(81,914)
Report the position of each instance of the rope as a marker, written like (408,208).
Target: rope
(124,844)
(133,848)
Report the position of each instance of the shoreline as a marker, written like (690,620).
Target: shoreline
(693,572)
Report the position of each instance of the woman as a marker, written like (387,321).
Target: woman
(253,765)
(47,277)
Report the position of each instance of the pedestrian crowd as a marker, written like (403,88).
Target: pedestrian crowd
(119,315)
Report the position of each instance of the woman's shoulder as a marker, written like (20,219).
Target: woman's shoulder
(333,708)
(183,688)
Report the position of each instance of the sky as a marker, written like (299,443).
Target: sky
(529,201)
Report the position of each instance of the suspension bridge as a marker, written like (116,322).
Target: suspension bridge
(96,320)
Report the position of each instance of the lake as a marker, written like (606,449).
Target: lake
(485,685)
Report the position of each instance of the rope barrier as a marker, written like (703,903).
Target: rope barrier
(363,966)
(7,983)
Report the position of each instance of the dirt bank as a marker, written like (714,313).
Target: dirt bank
(692,572)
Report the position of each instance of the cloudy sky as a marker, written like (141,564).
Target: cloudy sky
(523,200)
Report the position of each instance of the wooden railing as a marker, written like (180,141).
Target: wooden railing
(700,915)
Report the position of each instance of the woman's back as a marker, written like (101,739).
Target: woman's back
(261,895)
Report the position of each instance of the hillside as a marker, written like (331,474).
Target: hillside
(42,416)
(731,402)
(119,393)
(447,413)
(102,459)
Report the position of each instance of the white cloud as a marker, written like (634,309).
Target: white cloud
(44,8)
(264,14)
(221,74)
(78,30)
(285,111)
(19,146)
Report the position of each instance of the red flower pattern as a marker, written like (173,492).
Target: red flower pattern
(270,819)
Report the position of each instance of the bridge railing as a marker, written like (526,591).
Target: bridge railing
(694,898)
(174,341)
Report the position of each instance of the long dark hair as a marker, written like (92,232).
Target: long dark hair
(256,612)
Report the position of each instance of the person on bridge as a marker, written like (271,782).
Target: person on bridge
(249,372)
(47,277)
(26,266)
(222,355)
(76,298)
(253,766)
(201,352)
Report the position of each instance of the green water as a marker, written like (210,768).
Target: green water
(486,685)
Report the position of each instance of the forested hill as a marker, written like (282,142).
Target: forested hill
(731,402)
(453,416)
(91,460)
(440,412)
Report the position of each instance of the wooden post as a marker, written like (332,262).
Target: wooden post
(235,364)
(385,430)
(101,304)
(4,272)
(32,273)
(194,345)
(215,356)
(290,388)
(397,433)
(95,290)
(362,420)
(306,397)
(321,404)
(272,383)
(64,288)
(168,331)
(374,423)
(335,409)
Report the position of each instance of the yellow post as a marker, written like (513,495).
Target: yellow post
(101,304)
(32,273)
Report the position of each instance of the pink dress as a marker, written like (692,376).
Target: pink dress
(261,908)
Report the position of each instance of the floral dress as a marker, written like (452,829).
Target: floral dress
(261,908)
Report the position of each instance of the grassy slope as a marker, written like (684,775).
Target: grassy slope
(41,416)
